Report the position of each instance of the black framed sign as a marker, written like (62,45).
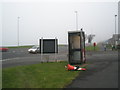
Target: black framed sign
(48,45)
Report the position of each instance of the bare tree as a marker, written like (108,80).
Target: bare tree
(90,38)
(86,37)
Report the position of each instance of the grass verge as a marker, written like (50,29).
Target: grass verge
(43,75)
(29,46)
(21,46)
(91,48)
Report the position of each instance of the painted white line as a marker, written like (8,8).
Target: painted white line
(30,57)
(22,51)
(18,58)
(9,59)
(13,51)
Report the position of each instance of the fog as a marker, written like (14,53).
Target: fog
(55,19)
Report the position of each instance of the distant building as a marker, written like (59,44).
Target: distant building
(115,39)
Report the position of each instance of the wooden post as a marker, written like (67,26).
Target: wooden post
(41,49)
(55,48)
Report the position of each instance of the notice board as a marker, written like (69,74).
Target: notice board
(48,45)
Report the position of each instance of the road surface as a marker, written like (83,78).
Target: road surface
(102,71)
(20,56)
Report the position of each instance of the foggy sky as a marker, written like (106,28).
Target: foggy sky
(55,19)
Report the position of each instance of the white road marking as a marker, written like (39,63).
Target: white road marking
(16,51)
(22,51)
(17,58)
(13,51)
(9,59)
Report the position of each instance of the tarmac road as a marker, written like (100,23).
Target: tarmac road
(20,56)
(102,71)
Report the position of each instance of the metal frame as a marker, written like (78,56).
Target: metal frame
(81,49)
(41,49)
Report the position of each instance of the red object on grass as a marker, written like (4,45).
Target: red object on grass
(3,49)
(94,44)
(83,69)
(69,67)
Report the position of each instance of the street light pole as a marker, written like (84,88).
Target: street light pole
(18,30)
(76,20)
(115,31)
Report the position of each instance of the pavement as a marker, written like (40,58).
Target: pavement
(102,71)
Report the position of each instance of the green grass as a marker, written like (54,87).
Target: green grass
(43,75)
(29,46)
(21,46)
(62,45)
(91,48)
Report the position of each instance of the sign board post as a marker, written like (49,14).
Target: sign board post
(48,46)
(41,48)
(94,44)
(55,48)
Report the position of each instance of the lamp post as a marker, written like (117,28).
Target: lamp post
(76,20)
(18,18)
(115,31)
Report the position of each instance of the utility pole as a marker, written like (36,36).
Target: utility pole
(115,31)
(76,20)
(18,18)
